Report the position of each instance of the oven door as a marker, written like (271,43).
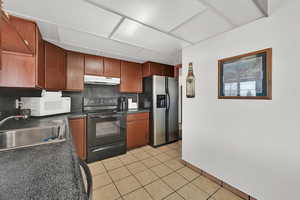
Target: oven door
(105,130)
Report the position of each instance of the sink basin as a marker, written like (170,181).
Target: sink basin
(26,137)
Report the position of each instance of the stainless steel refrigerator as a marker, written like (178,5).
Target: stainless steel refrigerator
(161,97)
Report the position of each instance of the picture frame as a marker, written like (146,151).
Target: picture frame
(246,76)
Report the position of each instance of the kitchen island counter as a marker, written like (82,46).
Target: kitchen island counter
(49,171)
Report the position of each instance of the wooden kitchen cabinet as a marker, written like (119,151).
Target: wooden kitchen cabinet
(93,65)
(18,35)
(152,68)
(112,67)
(137,130)
(22,54)
(78,129)
(75,71)
(55,67)
(131,77)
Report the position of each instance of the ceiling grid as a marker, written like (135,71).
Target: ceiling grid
(137,29)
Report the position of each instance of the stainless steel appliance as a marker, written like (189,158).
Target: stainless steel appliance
(122,104)
(161,97)
(101,80)
(106,133)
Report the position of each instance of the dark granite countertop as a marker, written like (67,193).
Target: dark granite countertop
(49,171)
(76,115)
(132,111)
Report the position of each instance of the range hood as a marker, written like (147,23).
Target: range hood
(101,80)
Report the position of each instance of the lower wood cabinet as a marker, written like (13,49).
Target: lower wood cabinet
(137,130)
(78,129)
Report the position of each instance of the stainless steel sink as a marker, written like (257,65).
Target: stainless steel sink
(26,137)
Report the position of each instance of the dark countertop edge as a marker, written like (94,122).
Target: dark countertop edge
(134,111)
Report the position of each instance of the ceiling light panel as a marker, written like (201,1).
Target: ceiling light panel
(238,12)
(89,41)
(204,26)
(137,34)
(162,14)
(75,14)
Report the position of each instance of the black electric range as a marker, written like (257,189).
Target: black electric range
(106,129)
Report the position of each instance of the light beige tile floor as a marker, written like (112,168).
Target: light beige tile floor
(149,173)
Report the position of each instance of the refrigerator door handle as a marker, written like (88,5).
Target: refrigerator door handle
(169,101)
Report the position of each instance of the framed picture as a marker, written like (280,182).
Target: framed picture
(247,76)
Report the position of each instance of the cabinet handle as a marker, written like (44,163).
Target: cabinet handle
(26,42)
(6,15)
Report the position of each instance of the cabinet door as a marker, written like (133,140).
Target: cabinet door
(75,71)
(18,35)
(112,67)
(55,67)
(157,69)
(78,129)
(1,25)
(169,70)
(146,69)
(40,60)
(93,65)
(17,71)
(131,77)
(137,133)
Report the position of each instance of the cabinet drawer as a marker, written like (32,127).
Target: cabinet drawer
(138,116)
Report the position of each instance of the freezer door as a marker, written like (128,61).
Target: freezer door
(173,125)
(159,114)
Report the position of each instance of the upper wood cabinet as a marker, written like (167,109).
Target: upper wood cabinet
(75,71)
(1,25)
(55,67)
(22,54)
(93,65)
(18,35)
(152,68)
(112,67)
(131,77)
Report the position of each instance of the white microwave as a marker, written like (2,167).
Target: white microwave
(44,106)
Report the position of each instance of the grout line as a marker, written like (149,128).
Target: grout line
(147,168)
(213,193)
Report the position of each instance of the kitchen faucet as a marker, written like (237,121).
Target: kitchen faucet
(13,117)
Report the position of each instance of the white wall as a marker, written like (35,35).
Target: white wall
(253,145)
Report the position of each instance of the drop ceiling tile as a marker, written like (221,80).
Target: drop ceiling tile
(122,57)
(75,14)
(89,41)
(149,55)
(74,48)
(239,12)
(48,30)
(205,25)
(137,34)
(162,14)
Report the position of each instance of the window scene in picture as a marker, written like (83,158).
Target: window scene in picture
(246,76)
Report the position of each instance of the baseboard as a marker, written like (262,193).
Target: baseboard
(218,181)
